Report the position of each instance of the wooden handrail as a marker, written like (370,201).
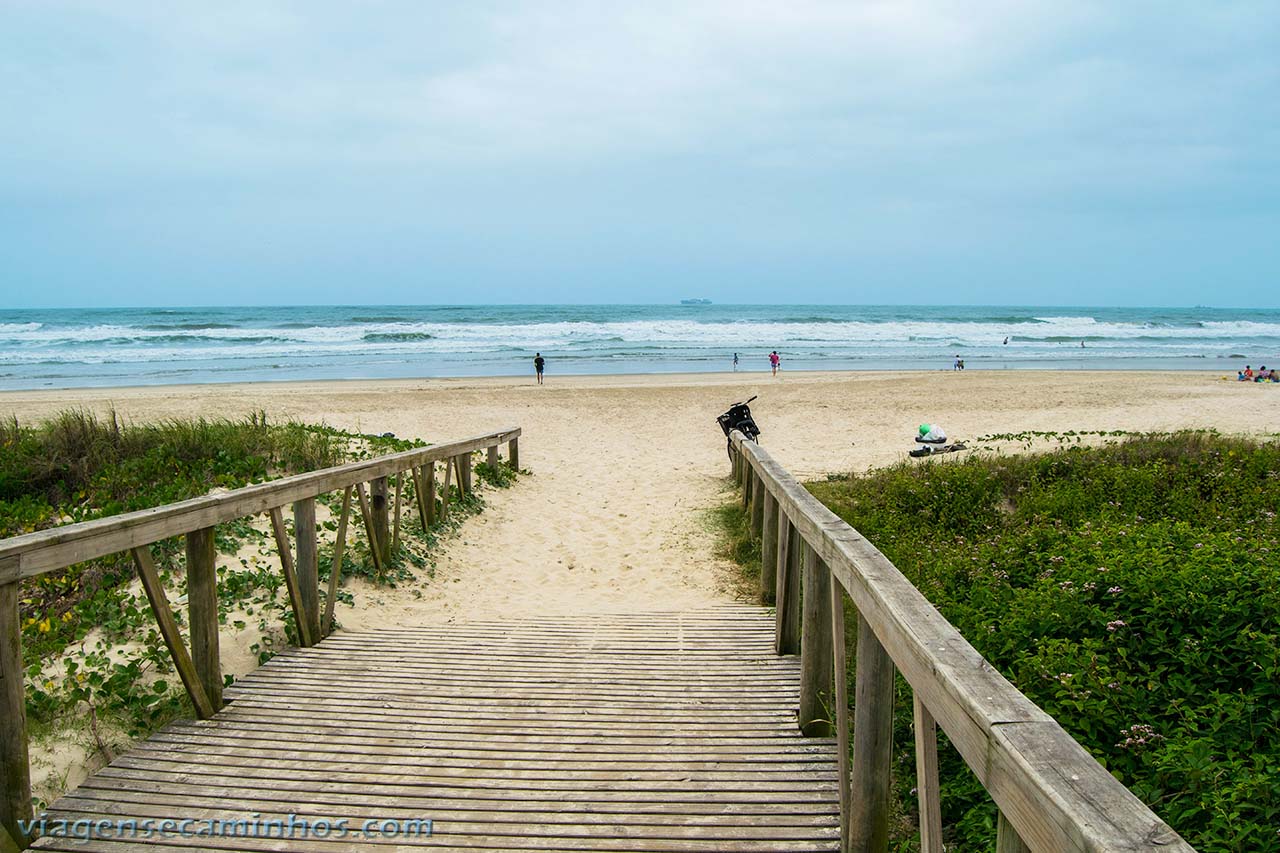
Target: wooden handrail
(47,550)
(33,554)
(1049,790)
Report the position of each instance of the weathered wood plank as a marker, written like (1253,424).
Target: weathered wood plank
(374,553)
(929,793)
(1007,838)
(872,744)
(308,567)
(378,512)
(420,498)
(787,639)
(202,611)
(513,452)
(15,764)
(335,566)
(169,630)
(290,577)
(395,516)
(769,549)
(429,481)
(814,714)
(842,710)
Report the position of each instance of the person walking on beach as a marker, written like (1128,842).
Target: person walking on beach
(735,362)
(774,361)
(538,364)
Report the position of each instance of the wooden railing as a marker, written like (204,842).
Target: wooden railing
(49,550)
(1052,795)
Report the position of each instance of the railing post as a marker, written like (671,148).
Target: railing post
(872,744)
(842,709)
(927,786)
(1007,838)
(769,549)
(493,458)
(757,504)
(15,763)
(307,566)
(815,647)
(202,612)
(513,453)
(788,594)
(379,511)
(429,491)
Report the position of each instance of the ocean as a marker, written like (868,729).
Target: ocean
(64,348)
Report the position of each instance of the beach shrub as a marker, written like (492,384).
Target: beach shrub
(1130,590)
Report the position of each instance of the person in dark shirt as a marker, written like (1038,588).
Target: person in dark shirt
(538,364)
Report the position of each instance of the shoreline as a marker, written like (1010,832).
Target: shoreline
(590,380)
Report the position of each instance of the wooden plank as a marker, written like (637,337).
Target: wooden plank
(367,516)
(378,511)
(769,550)
(420,498)
(395,524)
(335,567)
(927,785)
(513,452)
(842,710)
(814,714)
(290,577)
(308,566)
(465,472)
(872,744)
(787,640)
(429,480)
(757,507)
(1007,839)
(492,458)
(15,763)
(35,553)
(202,611)
(169,630)
(444,490)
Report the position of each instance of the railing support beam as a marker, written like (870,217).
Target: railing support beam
(872,744)
(769,549)
(815,648)
(380,513)
(15,763)
(202,611)
(308,566)
(788,587)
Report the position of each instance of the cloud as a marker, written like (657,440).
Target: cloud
(808,125)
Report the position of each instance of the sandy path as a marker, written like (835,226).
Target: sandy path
(625,468)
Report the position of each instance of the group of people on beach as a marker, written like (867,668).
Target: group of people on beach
(775,361)
(1263,375)
(540,364)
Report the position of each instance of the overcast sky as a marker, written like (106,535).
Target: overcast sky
(1070,153)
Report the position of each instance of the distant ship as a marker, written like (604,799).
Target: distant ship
(695,301)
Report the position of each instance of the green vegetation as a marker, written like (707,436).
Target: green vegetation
(1130,590)
(90,644)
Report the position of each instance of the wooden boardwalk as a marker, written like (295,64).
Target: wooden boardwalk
(653,732)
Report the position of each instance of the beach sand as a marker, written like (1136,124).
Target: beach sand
(626,470)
